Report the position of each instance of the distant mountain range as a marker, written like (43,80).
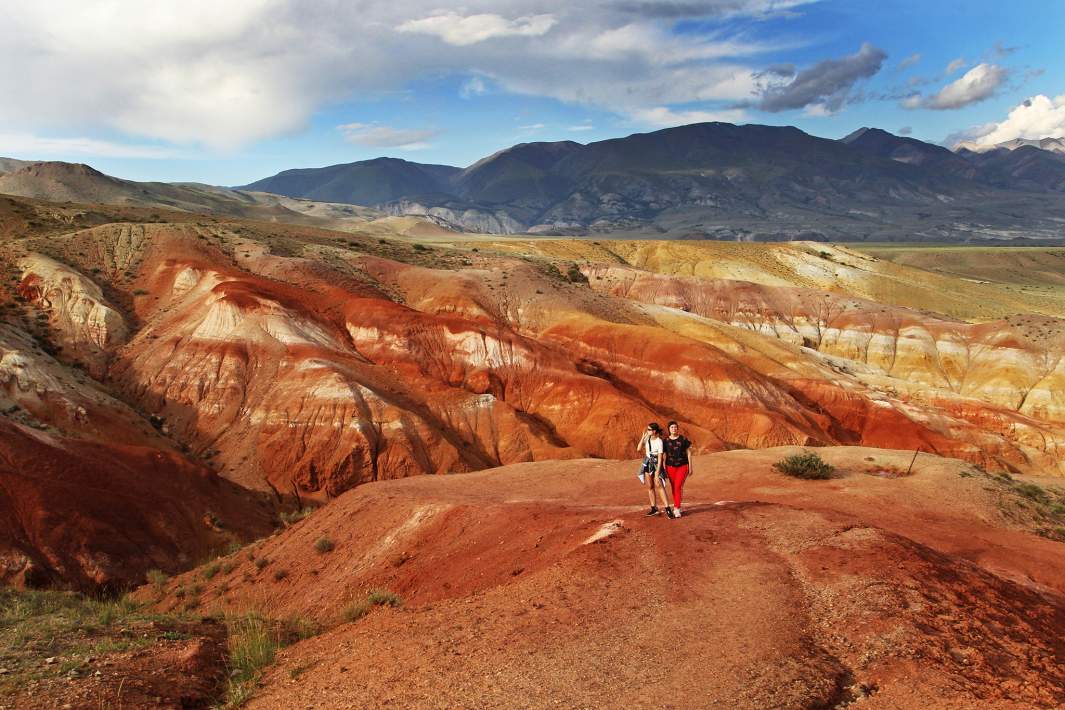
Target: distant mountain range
(717,180)
(1054,145)
(705,180)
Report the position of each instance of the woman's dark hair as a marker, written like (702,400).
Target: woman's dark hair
(671,424)
(654,426)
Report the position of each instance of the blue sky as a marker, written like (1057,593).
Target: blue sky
(229,93)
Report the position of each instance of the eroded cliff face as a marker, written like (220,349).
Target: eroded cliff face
(312,362)
(1015,363)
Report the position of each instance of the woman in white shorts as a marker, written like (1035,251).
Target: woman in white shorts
(652,469)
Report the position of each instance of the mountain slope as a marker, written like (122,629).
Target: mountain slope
(875,141)
(368,182)
(82,184)
(1025,166)
(8,165)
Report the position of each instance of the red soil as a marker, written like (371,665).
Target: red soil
(95,516)
(543,584)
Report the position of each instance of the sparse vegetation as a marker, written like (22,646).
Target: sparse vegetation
(68,627)
(294,516)
(211,570)
(253,644)
(575,275)
(808,466)
(383,597)
(324,545)
(356,610)
(252,647)
(280,574)
(157,577)
(361,607)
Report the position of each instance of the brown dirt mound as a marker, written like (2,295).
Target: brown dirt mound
(95,517)
(545,583)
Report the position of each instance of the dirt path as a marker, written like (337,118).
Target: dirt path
(544,585)
(739,605)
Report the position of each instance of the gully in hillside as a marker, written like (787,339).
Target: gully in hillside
(652,471)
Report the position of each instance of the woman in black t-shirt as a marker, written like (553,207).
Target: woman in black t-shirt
(677,450)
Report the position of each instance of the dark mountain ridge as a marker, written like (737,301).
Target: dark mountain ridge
(715,180)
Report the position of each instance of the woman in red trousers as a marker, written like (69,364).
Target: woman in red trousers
(678,460)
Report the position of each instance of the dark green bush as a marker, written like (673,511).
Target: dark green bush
(807,466)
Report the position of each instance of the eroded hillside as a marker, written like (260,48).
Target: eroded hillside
(301,362)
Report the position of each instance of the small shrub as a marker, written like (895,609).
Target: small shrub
(575,275)
(356,610)
(211,570)
(420,247)
(383,597)
(378,597)
(324,545)
(280,574)
(261,562)
(808,466)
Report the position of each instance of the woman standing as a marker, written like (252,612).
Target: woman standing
(678,460)
(651,444)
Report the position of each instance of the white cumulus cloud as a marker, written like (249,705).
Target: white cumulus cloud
(1034,118)
(977,84)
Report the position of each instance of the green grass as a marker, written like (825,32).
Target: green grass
(211,570)
(39,624)
(253,645)
(361,607)
(254,641)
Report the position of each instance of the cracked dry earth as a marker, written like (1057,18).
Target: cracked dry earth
(544,585)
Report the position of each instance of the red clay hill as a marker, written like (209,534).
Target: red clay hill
(544,584)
